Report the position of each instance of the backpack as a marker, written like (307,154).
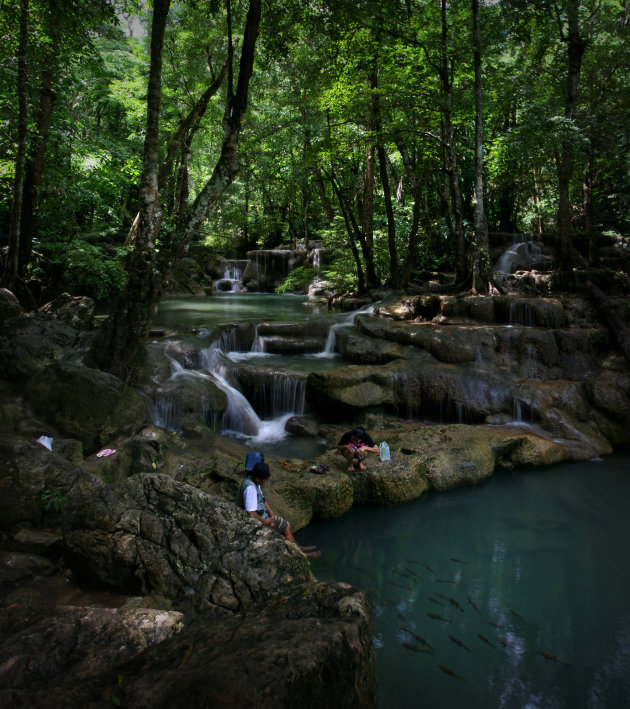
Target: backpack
(251,459)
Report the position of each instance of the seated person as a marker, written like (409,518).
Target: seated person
(252,499)
(356,444)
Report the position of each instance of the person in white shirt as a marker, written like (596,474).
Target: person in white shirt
(253,500)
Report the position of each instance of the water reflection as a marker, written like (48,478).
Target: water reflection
(529,572)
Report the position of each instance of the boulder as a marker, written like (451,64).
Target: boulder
(187,393)
(84,403)
(30,342)
(75,311)
(28,470)
(153,534)
(9,305)
(312,647)
(302,426)
(65,644)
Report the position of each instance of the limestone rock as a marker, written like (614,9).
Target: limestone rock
(9,305)
(84,403)
(77,312)
(65,644)
(27,470)
(152,534)
(30,342)
(312,647)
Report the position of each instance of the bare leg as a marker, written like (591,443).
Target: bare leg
(348,454)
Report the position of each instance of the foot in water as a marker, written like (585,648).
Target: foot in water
(310,551)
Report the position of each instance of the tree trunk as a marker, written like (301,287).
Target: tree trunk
(352,230)
(382,161)
(481,260)
(11,267)
(450,160)
(564,162)
(124,333)
(417,214)
(587,187)
(35,165)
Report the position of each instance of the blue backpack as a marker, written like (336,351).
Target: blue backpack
(251,459)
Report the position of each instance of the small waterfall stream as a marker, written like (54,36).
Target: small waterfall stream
(331,341)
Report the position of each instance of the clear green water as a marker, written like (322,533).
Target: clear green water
(544,555)
(210,311)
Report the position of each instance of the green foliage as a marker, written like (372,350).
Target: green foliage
(53,499)
(88,269)
(297,280)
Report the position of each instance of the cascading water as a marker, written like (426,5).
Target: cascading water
(522,254)
(232,281)
(331,340)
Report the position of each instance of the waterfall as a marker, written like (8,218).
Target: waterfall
(280,396)
(521,254)
(258,343)
(232,280)
(331,340)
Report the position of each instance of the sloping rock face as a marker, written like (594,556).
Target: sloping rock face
(27,471)
(311,648)
(153,534)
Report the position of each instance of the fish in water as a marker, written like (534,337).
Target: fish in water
(415,635)
(428,568)
(415,648)
(458,642)
(449,671)
(444,580)
(496,625)
(457,561)
(435,600)
(473,604)
(440,595)
(485,640)
(435,616)
(453,602)
(549,656)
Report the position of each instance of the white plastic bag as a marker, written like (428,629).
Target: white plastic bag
(46,441)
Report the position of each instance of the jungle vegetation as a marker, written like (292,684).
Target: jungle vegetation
(398,133)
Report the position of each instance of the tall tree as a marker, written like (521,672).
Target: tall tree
(11,267)
(124,333)
(481,255)
(570,34)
